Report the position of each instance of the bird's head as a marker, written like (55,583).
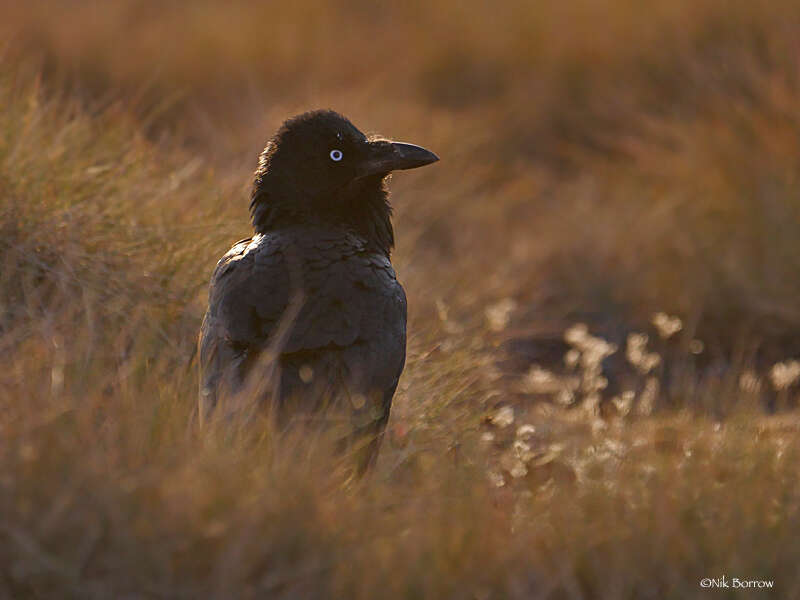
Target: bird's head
(319,166)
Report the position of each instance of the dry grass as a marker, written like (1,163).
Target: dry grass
(600,164)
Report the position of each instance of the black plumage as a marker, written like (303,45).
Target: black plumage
(307,315)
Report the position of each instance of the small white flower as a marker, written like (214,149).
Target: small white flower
(637,354)
(576,334)
(572,357)
(624,402)
(498,315)
(523,451)
(503,417)
(666,325)
(647,399)
(784,374)
(525,431)
(518,470)
(540,381)
(306,374)
(496,478)
(565,397)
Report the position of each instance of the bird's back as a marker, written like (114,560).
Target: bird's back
(307,317)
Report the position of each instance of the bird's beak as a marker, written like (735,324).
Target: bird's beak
(384,157)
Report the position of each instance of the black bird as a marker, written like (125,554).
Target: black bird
(308,314)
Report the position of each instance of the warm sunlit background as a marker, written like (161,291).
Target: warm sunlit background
(603,275)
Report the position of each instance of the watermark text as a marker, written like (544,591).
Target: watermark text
(725,582)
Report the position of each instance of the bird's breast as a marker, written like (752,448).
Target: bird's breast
(337,293)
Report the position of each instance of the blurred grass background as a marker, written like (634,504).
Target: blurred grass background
(600,164)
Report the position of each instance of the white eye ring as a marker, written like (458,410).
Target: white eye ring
(336,155)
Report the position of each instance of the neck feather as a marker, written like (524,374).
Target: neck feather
(362,206)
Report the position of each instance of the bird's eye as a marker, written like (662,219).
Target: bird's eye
(336,155)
